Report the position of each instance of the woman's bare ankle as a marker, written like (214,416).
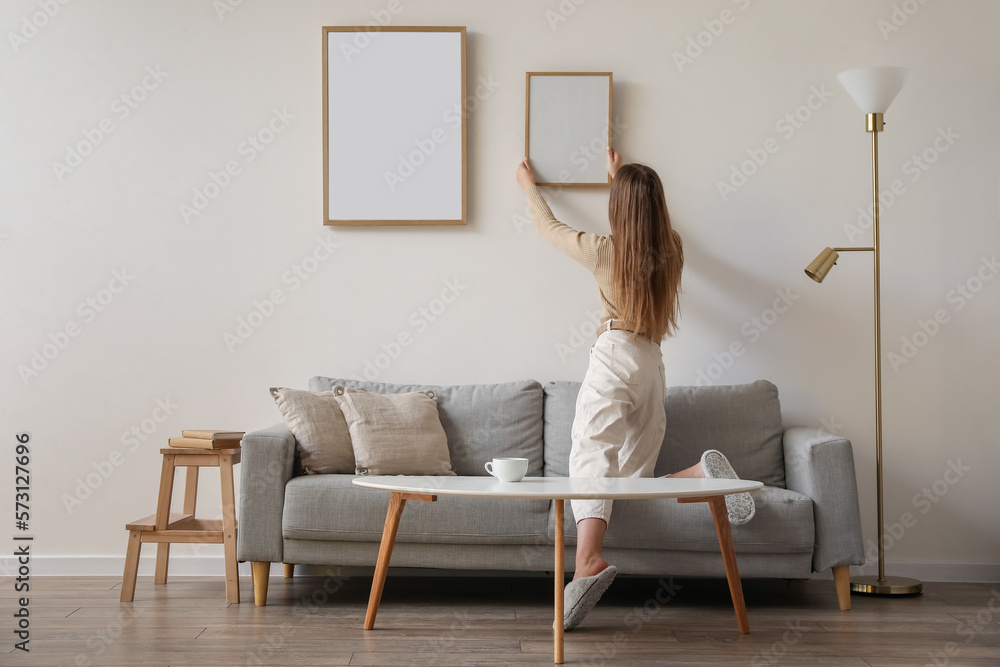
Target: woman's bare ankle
(589,567)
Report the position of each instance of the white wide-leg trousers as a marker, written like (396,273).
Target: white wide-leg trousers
(619,423)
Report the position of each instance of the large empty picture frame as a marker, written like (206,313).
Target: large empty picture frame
(567,127)
(394,150)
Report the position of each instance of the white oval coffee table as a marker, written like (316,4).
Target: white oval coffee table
(559,489)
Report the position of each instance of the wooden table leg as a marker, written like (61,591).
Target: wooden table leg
(131,565)
(396,504)
(162,516)
(229,528)
(560,576)
(721,516)
(162,563)
(397,501)
(190,490)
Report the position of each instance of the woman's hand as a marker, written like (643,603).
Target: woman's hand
(614,161)
(525,176)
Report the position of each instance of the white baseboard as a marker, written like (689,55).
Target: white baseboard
(950,572)
(113,566)
(211,566)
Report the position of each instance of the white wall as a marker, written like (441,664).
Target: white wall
(189,283)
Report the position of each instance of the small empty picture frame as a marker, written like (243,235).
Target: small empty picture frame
(567,127)
(394,126)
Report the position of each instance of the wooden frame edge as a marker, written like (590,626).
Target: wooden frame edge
(465,129)
(394,223)
(326,127)
(394,28)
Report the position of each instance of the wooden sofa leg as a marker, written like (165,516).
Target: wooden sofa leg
(261,571)
(842,580)
(289,570)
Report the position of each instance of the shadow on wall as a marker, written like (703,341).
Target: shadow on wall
(726,277)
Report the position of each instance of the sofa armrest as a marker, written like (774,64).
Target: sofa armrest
(821,466)
(266,466)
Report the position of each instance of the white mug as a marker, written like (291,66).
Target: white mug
(507,470)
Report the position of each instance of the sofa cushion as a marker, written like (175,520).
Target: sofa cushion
(741,421)
(481,421)
(560,409)
(330,507)
(783,523)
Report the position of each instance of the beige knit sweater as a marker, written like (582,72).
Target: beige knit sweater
(593,251)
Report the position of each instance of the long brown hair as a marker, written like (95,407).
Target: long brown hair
(648,253)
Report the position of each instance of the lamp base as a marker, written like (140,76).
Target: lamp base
(870,585)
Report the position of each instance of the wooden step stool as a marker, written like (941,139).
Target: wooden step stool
(165,528)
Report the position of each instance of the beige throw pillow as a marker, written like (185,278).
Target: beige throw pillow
(320,431)
(396,434)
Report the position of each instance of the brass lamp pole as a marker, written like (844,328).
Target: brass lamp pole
(873,89)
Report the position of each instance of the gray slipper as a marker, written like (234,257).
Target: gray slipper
(740,506)
(581,595)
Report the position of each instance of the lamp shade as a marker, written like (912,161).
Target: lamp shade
(821,266)
(874,88)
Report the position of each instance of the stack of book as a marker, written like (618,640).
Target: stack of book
(208,439)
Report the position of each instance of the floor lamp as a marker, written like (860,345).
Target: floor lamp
(873,90)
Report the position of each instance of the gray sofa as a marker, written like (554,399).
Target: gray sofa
(807,516)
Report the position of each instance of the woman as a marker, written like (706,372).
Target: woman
(620,421)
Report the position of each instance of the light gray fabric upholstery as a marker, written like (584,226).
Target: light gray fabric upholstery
(539,558)
(560,409)
(783,524)
(821,466)
(481,421)
(741,421)
(330,507)
(418,554)
(265,468)
(707,563)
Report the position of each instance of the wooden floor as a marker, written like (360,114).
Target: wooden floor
(474,621)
